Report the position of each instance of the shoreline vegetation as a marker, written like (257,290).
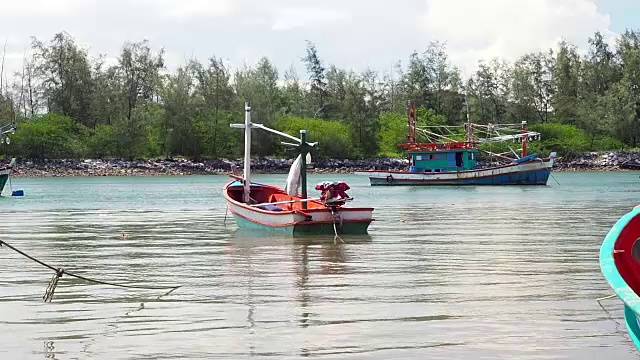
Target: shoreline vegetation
(68,104)
(603,161)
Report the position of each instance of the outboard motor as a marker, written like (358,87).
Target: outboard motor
(333,192)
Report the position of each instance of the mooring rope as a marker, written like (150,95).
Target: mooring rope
(334,215)
(606,297)
(550,173)
(59,272)
(608,313)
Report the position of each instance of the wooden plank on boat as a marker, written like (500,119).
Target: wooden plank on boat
(286,202)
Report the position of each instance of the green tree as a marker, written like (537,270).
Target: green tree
(294,95)
(66,81)
(628,89)
(179,112)
(567,74)
(393,131)
(259,86)
(52,136)
(318,81)
(332,136)
(620,112)
(215,105)
(490,88)
(139,73)
(533,85)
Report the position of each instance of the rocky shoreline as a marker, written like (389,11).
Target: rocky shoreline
(610,161)
(601,161)
(159,167)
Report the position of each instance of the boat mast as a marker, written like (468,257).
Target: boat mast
(411,122)
(303,146)
(469,132)
(303,171)
(524,138)
(247,152)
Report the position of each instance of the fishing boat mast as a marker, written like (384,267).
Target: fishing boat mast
(247,153)
(302,144)
(303,168)
(411,122)
(469,132)
(524,138)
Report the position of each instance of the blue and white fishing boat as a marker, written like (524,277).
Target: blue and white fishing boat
(445,161)
(620,265)
(6,170)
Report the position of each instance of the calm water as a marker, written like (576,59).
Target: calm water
(447,273)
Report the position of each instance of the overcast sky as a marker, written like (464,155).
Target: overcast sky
(349,33)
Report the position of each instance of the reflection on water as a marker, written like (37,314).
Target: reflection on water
(446,273)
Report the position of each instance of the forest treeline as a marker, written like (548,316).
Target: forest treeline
(68,104)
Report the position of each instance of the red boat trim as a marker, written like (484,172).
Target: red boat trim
(253,208)
(306,215)
(285,212)
(297,222)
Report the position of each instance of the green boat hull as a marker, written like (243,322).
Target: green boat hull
(350,228)
(307,229)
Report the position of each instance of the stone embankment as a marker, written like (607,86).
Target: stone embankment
(90,167)
(609,161)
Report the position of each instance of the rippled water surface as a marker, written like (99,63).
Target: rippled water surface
(447,273)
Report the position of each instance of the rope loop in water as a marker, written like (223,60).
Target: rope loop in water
(58,272)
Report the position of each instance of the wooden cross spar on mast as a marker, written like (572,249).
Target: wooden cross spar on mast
(303,145)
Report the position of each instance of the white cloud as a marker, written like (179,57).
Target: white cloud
(486,29)
(355,34)
(298,17)
(195,8)
(45,7)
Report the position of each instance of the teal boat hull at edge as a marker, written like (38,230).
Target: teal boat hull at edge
(610,271)
(631,320)
(246,224)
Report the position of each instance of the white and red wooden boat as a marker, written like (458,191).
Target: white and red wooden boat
(268,207)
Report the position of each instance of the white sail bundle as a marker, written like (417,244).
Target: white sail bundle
(293,179)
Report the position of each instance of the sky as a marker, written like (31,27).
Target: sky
(352,34)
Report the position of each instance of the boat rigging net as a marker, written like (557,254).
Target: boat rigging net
(467,136)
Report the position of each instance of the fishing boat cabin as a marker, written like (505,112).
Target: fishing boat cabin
(451,160)
(452,156)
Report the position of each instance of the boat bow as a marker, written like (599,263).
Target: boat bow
(620,265)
